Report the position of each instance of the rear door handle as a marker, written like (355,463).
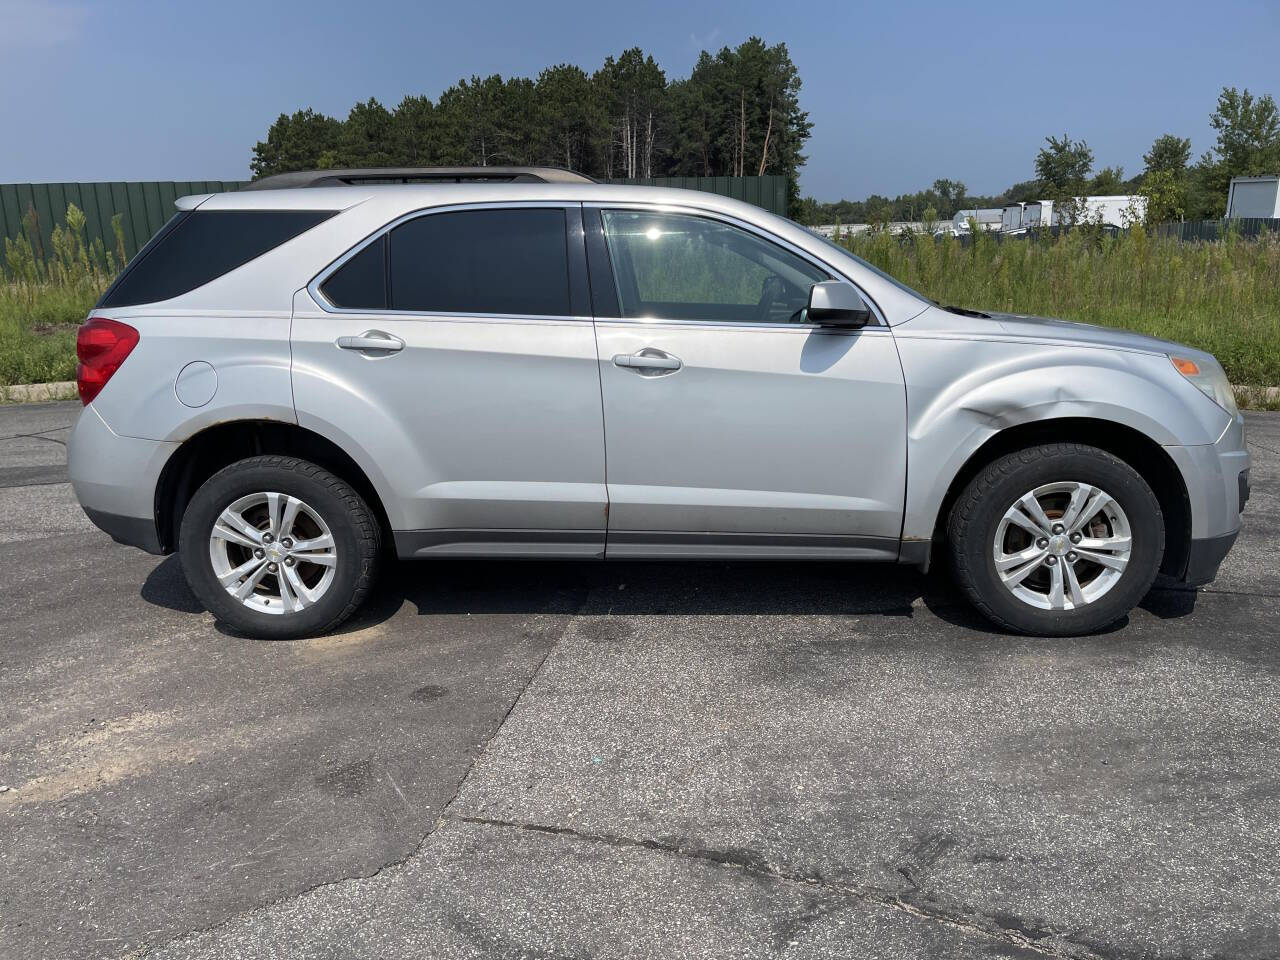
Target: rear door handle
(372,340)
(648,359)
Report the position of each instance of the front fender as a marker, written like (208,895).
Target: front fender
(961,393)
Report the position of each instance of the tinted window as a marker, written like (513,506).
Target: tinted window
(482,261)
(203,246)
(674,266)
(361,282)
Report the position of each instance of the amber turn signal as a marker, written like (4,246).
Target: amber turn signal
(1188,368)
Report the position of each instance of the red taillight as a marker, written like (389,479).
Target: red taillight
(101,346)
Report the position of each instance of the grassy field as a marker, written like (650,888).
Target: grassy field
(1223,297)
(43,298)
(38,331)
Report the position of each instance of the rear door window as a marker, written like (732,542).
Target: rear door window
(491,262)
(201,246)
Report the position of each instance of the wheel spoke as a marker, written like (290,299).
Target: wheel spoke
(290,514)
(1016,567)
(322,542)
(250,583)
(1056,599)
(275,503)
(246,568)
(1031,505)
(1117,544)
(223,532)
(1018,518)
(1104,559)
(319,559)
(1092,507)
(1079,496)
(287,598)
(303,596)
(1073,585)
(250,536)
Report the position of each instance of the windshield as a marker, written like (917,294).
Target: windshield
(876,270)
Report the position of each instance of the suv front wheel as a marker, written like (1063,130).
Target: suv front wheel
(1056,540)
(279,548)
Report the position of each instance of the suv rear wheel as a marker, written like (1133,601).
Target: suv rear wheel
(1056,540)
(279,548)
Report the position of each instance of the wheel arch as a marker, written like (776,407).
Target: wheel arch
(218,446)
(1125,443)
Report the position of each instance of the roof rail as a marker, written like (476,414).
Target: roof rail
(373,175)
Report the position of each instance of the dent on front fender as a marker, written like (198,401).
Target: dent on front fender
(961,393)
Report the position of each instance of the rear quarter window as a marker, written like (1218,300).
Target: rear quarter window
(197,247)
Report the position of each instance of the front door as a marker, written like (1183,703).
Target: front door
(732,426)
(453,356)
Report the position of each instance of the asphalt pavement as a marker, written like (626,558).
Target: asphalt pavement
(523,759)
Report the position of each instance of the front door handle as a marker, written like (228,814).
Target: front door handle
(372,340)
(648,362)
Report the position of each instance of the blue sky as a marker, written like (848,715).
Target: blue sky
(899,93)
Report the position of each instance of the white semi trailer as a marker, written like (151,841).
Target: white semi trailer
(1254,197)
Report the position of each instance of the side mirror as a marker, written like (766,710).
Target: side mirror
(835,303)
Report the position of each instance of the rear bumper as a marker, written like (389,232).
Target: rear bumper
(115,478)
(131,531)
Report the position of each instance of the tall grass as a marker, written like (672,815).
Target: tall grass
(44,298)
(1223,297)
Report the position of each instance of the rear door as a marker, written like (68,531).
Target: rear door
(734,427)
(453,355)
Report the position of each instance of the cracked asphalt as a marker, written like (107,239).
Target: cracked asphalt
(504,759)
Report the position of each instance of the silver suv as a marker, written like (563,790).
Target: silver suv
(288,383)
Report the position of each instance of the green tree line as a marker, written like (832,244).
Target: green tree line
(1248,143)
(736,114)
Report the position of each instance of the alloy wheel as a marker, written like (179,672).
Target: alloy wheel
(1062,546)
(273,553)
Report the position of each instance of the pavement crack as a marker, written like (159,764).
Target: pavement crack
(37,436)
(1004,927)
(145,950)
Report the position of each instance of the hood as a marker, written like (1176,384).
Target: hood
(1050,330)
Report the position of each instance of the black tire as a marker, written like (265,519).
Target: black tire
(356,537)
(977,513)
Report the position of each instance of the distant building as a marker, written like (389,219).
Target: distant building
(1254,197)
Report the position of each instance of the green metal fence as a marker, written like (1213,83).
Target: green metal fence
(1251,227)
(33,209)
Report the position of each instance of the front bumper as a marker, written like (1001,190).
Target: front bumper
(1205,556)
(115,479)
(1216,476)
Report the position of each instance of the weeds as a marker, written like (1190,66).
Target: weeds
(44,298)
(1223,297)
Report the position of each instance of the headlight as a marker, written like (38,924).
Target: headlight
(1210,379)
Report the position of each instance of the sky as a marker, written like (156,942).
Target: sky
(899,93)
